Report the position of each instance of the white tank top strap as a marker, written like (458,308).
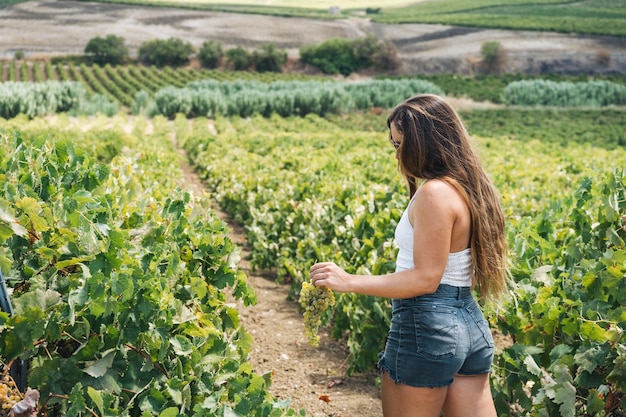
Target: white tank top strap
(458,270)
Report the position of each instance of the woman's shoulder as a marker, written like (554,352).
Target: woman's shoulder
(440,194)
(437,187)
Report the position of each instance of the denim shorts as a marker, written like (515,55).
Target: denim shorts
(435,337)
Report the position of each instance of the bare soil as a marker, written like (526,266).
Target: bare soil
(43,28)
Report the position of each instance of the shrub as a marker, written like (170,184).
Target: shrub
(603,57)
(141,102)
(564,94)
(269,59)
(171,52)
(38,99)
(385,58)
(286,98)
(342,56)
(492,56)
(96,104)
(335,56)
(364,50)
(108,50)
(210,54)
(240,58)
(19,55)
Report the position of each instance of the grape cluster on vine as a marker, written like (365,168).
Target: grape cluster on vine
(314,300)
(9,394)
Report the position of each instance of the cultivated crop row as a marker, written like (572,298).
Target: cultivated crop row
(118,277)
(121,83)
(307,189)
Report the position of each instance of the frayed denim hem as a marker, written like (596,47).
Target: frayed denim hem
(488,371)
(383,368)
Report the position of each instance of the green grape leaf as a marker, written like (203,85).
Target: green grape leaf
(592,331)
(532,366)
(181,345)
(31,208)
(595,404)
(9,226)
(38,299)
(101,366)
(566,397)
(169,412)
(96,397)
(77,405)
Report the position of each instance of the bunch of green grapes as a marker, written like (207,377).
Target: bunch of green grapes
(314,300)
(9,394)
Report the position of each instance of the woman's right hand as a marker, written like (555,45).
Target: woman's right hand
(328,274)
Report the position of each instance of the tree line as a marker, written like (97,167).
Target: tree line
(334,56)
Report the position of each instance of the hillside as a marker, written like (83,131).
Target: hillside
(65,27)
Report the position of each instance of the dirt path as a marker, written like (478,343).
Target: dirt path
(301,372)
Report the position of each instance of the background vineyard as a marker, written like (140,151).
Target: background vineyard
(121,83)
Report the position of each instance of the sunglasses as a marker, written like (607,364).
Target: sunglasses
(395,144)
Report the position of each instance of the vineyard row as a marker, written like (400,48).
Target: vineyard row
(121,83)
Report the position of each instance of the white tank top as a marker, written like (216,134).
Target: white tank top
(458,270)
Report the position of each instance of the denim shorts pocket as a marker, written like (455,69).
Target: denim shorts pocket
(437,330)
(481,323)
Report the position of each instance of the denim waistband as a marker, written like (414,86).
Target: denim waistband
(444,291)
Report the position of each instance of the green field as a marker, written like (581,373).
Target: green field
(599,17)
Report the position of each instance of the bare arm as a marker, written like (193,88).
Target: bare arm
(434,214)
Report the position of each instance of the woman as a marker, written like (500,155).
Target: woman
(451,239)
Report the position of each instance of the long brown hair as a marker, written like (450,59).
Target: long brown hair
(436,145)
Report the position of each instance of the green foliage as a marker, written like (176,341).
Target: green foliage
(491,56)
(568,305)
(18,55)
(210,54)
(269,58)
(120,283)
(240,58)
(141,103)
(108,50)
(161,52)
(97,104)
(37,99)
(300,204)
(334,56)
(564,94)
(489,87)
(600,128)
(343,56)
(286,98)
(598,17)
